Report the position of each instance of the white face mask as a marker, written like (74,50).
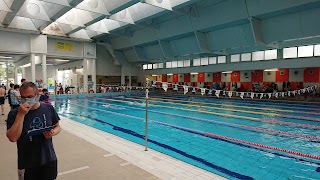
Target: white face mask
(30,101)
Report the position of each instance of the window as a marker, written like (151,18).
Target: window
(222,59)
(180,63)
(270,54)
(149,66)
(168,64)
(305,51)
(145,66)
(290,52)
(258,56)
(204,61)
(186,63)
(246,57)
(174,64)
(212,60)
(235,58)
(196,62)
(317,50)
(160,65)
(155,66)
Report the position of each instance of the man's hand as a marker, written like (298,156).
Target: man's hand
(24,108)
(48,134)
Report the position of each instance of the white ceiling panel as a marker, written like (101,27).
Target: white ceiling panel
(81,34)
(4,7)
(22,23)
(51,9)
(92,34)
(123,16)
(61,2)
(140,11)
(8,2)
(112,24)
(99,26)
(96,6)
(34,10)
(72,18)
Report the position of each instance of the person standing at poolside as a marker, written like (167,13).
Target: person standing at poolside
(36,156)
(2,97)
(23,80)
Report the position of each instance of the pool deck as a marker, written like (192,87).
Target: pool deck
(86,153)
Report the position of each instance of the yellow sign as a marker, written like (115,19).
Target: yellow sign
(64,46)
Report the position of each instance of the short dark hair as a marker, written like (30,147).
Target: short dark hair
(23,79)
(26,85)
(44,90)
(11,85)
(16,86)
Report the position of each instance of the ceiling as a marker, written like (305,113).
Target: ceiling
(150,31)
(83,19)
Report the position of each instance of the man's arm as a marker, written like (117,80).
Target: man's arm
(15,130)
(53,132)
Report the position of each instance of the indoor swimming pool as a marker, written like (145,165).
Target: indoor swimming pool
(237,139)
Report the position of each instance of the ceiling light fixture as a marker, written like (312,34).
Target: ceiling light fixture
(62,60)
(26,65)
(5,57)
(227,72)
(170,74)
(273,69)
(154,75)
(194,73)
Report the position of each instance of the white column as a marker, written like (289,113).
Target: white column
(85,76)
(44,70)
(123,75)
(94,75)
(23,75)
(7,79)
(15,72)
(33,67)
(56,81)
(56,76)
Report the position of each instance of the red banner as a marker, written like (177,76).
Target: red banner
(217,77)
(186,77)
(175,78)
(201,77)
(257,76)
(235,76)
(164,78)
(282,75)
(311,75)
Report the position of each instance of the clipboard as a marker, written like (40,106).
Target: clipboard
(35,132)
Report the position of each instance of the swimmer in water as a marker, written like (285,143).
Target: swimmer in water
(107,105)
(202,108)
(133,103)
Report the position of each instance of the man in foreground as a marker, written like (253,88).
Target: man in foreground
(36,156)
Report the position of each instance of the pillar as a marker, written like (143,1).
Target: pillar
(123,75)
(44,71)
(23,75)
(33,67)
(85,76)
(94,75)
(15,71)
(7,79)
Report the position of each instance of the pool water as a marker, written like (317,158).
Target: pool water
(237,139)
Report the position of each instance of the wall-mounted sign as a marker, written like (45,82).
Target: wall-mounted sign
(64,46)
